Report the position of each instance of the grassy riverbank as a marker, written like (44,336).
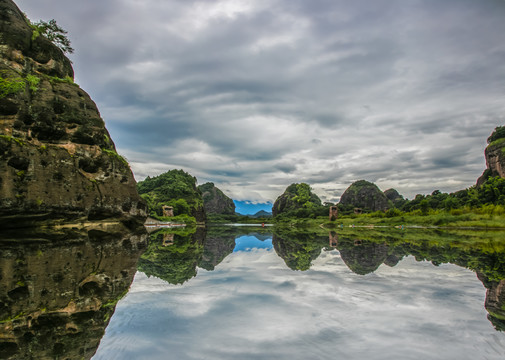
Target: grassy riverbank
(483,218)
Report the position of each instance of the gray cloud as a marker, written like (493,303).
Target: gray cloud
(401,93)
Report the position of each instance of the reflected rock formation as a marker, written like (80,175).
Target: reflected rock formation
(215,250)
(174,261)
(58,291)
(495,301)
(298,250)
(362,257)
(485,256)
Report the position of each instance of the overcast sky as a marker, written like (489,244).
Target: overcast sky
(254,95)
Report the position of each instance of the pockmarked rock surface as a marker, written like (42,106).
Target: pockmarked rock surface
(57,160)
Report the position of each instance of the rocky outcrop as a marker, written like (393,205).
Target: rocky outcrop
(57,159)
(495,156)
(215,201)
(395,197)
(296,196)
(58,293)
(365,195)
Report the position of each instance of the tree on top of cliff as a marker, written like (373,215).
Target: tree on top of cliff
(498,133)
(53,32)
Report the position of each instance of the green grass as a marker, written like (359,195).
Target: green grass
(477,218)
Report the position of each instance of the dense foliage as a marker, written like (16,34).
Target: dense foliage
(492,192)
(174,188)
(498,133)
(297,200)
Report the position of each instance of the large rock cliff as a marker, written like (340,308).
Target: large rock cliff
(215,201)
(57,159)
(365,195)
(495,155)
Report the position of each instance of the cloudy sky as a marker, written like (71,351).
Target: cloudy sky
(254,95)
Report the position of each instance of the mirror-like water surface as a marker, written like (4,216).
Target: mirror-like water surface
(241,294)
(252,293)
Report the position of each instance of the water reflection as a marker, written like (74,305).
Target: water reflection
(483,253)
(173,255)
(312,295)
(176,255)
(59,289)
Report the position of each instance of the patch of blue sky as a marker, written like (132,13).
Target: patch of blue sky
(248,243)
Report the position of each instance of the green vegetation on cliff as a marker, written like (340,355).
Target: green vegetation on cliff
(498,133)
(298,200)
(174,188)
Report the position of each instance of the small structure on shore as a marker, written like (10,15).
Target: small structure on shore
(168,211)
(333,213)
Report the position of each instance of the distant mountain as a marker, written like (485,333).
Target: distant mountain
(262,213)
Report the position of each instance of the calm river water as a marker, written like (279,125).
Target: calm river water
(252,293)
(241,294)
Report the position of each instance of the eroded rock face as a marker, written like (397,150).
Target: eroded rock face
(57,159)
(215,201)
(365,195)
(58,292)
(495,161)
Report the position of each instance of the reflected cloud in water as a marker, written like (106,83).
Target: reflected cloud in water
(345,304)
